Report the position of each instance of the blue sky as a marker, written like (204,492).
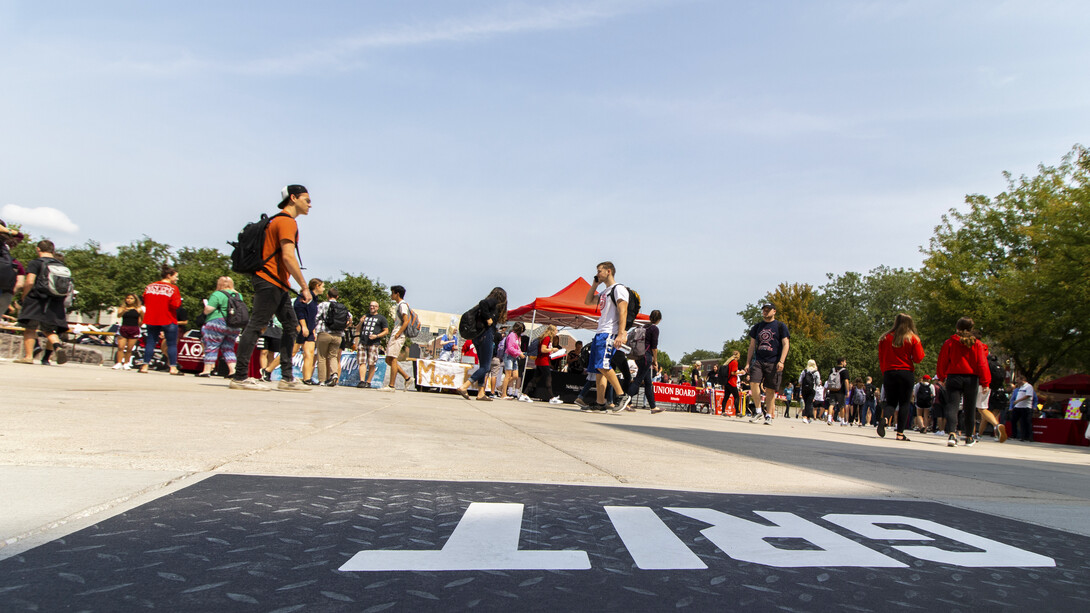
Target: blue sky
(711,149)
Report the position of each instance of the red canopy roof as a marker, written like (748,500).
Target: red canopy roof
(1071,384)
(564,309)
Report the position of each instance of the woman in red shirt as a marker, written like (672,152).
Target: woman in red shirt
(730,387)
(963,368)
(161,302)
(543,366)
(899,350)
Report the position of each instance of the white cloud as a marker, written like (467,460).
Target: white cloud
(41,218)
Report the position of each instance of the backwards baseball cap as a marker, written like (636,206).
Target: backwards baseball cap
(287,192)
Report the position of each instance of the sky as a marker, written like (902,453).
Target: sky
(710,149)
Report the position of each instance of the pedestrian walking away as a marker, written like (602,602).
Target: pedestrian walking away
(963,368)
(899,350)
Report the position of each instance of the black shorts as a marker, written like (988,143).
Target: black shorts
(766,374)
(271,343)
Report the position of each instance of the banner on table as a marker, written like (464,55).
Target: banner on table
(675,394)
(444,375)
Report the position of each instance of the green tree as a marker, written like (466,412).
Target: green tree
(698,354)
(666,363)
(357,292)
(1017,263)
(137,264)
(199,270)
(96,289)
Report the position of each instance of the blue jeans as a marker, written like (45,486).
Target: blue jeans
(152,340)
(485,346)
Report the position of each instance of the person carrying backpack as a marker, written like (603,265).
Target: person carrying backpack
(406,325)
(333,319)
(808,384)
(645,350)
(47,284)
(479,323)
(218,335)
(272,285)
(899,350)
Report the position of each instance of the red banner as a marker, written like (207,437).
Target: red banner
(676,394)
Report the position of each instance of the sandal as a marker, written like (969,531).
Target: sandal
(484,399)
(178,373)
(203,374)
(902,437)
(463,394)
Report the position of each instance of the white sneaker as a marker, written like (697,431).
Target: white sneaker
(117,366)
(248,384)
(126,366)
(525,398)
(556,400)
(292,386)
(940,433)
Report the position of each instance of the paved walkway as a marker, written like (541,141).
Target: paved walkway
(82,444)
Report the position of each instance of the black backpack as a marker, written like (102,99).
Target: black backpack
(633,305)
(7,270)
(246,252)
(470,326)
(236,315)
(336,317)
(808,381)
(924,397)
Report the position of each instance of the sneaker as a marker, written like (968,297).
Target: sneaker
(363,385)
(117,366)
(292,386)
(940,433)
(1002,429)
(525,398)
(622,403)
(126,366)
(657,410)
(387,389)
(768,420)
(556,400)
(333,381)
(970,441)
(952,441)
(266,375)
(755,418)
(248,384)
(582,404)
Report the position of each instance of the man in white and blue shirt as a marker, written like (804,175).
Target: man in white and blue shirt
(611,334)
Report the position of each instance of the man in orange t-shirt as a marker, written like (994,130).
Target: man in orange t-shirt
(272,285)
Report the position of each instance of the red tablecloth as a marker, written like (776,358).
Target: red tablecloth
(1060,431)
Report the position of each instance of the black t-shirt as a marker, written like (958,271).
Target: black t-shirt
(372,324)
(769,336)
(130,317)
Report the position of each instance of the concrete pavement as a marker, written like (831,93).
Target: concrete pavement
(79,444)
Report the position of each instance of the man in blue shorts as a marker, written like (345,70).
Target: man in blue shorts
(769,341)
(611,334)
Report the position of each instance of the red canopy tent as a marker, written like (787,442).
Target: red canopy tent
(1071,384)
(564,309)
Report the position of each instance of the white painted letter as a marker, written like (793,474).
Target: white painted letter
(745,540)
(486,538)
(994,554)
(652,544)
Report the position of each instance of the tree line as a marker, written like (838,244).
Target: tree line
(1018,263)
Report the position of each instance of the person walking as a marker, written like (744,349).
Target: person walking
(161,302)
(217,337)
(730,385)
(10,269)
(647,361)
(333,319)
(372,330)
(42,303)
(963,368)
(131,313)
(769,342)
(271,287)
(306,336)
(397,338)
(809,383)
(836,390)
(610,334)
(899,350)
(512,353)
(487,316)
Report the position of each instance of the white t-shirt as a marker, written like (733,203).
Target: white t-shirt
(1023,396)
(607,322)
